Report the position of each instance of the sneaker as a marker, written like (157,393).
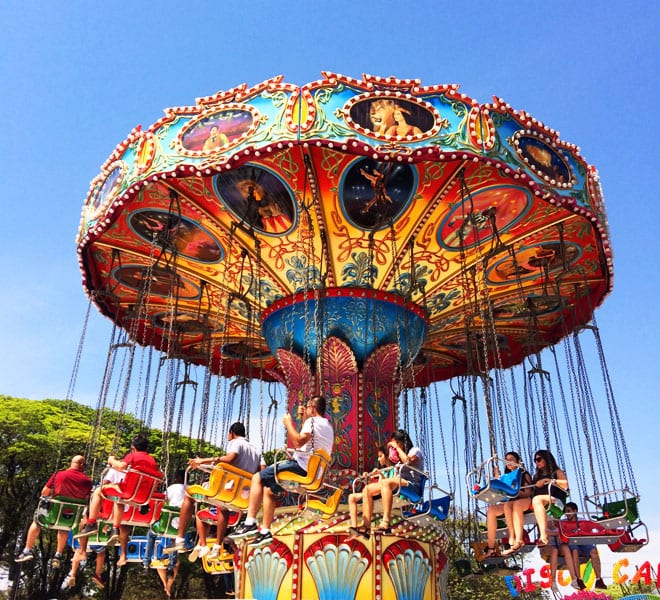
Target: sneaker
(69,582)
(87,530)
(203,551)
(263,539)
(114,537)
(56,561)
(192,557)
(244,531)
(24,556)
(97,581)
(179,546)
(600,584)
(215,552)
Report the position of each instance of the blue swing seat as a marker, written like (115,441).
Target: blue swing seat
(502,488)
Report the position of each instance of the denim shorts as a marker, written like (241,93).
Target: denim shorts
(267,475)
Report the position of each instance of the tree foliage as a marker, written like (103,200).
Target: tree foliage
(38,438)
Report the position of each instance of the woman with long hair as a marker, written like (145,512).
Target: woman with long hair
(550,487)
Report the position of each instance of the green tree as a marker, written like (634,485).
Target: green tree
(38,438)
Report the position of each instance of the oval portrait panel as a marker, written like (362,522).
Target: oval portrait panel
(501,205)
(375,193)
(171,231)
(162,282)
(109,187)
(530,261)
(544,160)
(258,198)
(394,117)
(217,131)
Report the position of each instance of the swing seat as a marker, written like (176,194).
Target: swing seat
(168,523)
(142,516)
(136,549)
(59,512)
(228,487)
(210,488)
(502,488)
(312,481)
(438,508)
(326,506)
(223,563)
(584,532)
(619,513)
(136,489)
(629,541)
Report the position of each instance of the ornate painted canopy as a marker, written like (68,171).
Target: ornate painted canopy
(375,210)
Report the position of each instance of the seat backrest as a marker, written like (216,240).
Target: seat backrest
(508,484)
(319,462)
(60,512)
(621,508)
(412,494)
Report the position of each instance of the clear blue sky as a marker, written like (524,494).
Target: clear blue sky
(77,76)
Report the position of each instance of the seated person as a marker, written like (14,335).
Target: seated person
(550,477)
(370,489)
(241,454)
(408,455)
(550,553)
(69,483)
(513,510)
(573,552)
(139,459)
(316,433)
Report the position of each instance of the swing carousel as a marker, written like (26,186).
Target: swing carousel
(367,240)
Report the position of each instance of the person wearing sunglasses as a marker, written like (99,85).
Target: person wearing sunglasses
(550,487)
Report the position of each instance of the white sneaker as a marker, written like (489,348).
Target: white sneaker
(192,557)
(203,551)
(215,552)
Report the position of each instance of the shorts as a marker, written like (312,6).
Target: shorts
(267,475)
(583,549)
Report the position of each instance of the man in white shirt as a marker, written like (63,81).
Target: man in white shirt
(315,433)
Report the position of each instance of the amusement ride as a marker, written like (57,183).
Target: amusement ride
(419,259)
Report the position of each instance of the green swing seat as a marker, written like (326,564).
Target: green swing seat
(60,512)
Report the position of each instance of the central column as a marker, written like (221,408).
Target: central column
(347,344)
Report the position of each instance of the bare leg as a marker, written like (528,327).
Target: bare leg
(202,529)
(221,530)
(269,504)
(123,544)
(387,487)
(570,562)
(185,514)
(353,500)
(256,496)
(62,538)
(95,505)
(32,535)
(494,511)
(595,562)
(539,504)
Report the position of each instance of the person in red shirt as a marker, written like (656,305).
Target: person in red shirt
(139,459)
(70,483)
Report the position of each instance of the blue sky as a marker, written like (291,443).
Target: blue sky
(78,76)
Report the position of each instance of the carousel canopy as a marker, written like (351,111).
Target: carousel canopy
(376,211)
